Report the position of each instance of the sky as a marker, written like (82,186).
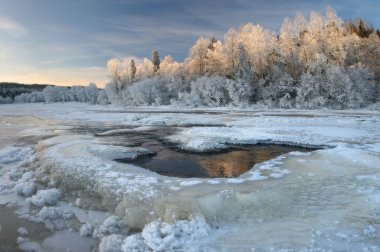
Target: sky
(68,42)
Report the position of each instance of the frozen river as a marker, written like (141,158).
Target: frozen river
(74,171)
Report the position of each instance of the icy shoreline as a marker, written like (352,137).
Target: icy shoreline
(314,194)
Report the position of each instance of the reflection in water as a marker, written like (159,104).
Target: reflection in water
(170,162)
(230,163)
(238,161)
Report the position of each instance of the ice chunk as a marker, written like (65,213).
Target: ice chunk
(86,230)
(134,243)
(123,131)
(190,182)
(27,176)
(22,231)
(111,243)
(29,246)
(178,236)
(117,152)
(111,225)
(15,175)
(26,188)
(54,217)
(12,154)
(48,197)
(6,188)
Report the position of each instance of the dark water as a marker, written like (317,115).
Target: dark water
(229,163)
(169,160)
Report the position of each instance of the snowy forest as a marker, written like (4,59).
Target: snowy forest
(319,62)
(21,93)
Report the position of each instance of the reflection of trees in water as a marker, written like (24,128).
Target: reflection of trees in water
(237,162)
(230,164)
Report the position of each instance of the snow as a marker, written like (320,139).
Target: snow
(117,152)
(190,183)
(12,154)
(111,243)
(15,174)
(111,225)
(183,235)
(320,200)
(86,230)
(134,243)
(123,131)
(48,197)
(26,188)
(22,231)
(54,217)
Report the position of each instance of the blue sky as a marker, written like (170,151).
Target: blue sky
(69,41)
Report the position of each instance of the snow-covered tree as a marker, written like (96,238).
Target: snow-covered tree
(242,68)
(92,93)
(214,63)
(32,97)
(231,48)
(289,46)
(102,98)
(261,46)
(145,69)
(319,62)
(240,92)
(207,91)
(361,90)
(148,92)
(133,70)
(5,100)
(196,62)
(171,68)
(155,61)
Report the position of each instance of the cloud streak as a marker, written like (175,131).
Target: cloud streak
(11,27)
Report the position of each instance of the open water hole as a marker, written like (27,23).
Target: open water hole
(170,160)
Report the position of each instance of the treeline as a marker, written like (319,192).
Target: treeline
(317,62)
(20,93)
(9,90)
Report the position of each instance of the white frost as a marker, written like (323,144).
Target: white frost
(111,243)
(26,188)
(13,154)
(48,197)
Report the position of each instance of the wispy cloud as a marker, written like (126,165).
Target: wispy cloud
(11,27)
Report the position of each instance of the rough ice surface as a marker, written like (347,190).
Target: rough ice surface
(26,188)
(48,197)
(54,217)
(22,231)
(183,235)
(111,243)
(117,152)
(111,225)
(86,230)
(325,200)
(12,154)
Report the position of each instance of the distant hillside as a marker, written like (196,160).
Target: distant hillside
(10,89)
